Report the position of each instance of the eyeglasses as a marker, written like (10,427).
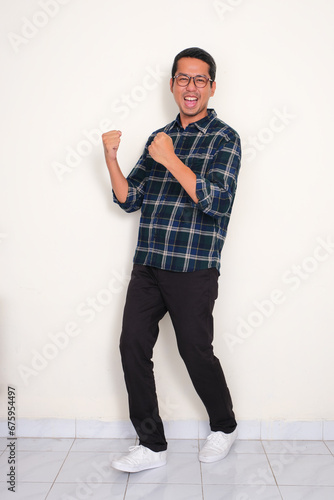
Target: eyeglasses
(200,81)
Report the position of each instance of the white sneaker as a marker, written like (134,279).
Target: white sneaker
(140,458)
(217,446)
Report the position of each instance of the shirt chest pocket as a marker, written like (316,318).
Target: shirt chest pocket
(199,165)
(177,217)
(187,215)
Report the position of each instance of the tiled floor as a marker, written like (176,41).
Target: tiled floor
(70,469)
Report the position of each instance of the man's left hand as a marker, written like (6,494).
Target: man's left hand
(162,149)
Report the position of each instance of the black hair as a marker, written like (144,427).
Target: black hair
(196,53)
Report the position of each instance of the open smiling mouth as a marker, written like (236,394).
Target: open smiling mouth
(190,101)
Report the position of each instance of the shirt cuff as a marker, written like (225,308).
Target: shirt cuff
(202,192)
(130,199)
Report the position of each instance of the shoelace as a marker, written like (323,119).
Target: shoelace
(216,439)
(214,436)
(137,449)
(136,454)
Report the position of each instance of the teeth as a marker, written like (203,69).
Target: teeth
(191,98)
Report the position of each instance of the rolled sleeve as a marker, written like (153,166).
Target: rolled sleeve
(215,191)
(136,185)
(133,200)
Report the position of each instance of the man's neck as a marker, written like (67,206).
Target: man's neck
(187,120)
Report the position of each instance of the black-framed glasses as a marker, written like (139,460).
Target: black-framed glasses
(200,81)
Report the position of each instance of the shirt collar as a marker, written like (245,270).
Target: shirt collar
(202,125)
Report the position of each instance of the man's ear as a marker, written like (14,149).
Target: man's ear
(171,83)
(213,89)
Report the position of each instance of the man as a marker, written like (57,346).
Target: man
(184,184)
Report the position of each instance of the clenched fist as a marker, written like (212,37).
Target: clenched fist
(111,141)
(162,149)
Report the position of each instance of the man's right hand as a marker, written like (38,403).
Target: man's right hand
(111,141)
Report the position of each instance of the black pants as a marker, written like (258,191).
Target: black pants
(189,298)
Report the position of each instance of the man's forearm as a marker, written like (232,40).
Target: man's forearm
(162,151)
(118,181)
(185,176)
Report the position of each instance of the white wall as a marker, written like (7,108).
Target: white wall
(66,249)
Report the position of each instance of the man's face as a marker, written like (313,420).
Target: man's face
(192,101)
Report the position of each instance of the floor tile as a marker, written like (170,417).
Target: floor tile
(181,430)
(163,492)
(103,445)
(250,429)
(81,468)
(240,492)
(91,491)
(90,467)
(307,492)
(296,447)
(46,427)
(238,468)
(330,445)
(247,446)
(182,468)
(328,430)
(44,444)
(25,491)
(275,430)
(35,466)
(203,429)
(183,446)
(312,470)
(104,429)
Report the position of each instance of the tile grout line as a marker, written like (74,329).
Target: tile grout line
(272,471)
(200,468)
(60,468)
(126,486)
(127,492)
(128,479)
(200,464)
(328,448)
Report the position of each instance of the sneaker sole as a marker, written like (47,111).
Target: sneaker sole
(128,468)
(210,460)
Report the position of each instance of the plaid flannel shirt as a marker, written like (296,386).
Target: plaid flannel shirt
(175,233)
